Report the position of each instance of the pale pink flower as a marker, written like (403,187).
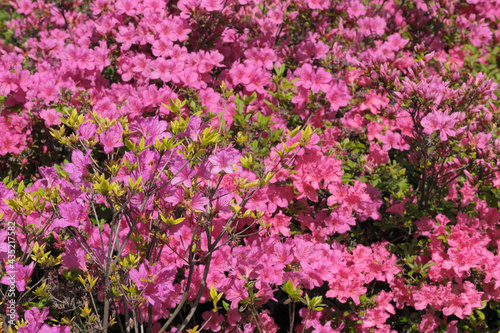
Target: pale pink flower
(51,117)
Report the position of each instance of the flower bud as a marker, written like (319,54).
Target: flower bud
(488,116)
(497,145)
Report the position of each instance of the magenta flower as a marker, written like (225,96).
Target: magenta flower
(73,256)
(20,275)
(36,318)
(78,166)
(71,214)
(148,128)
(212,5)
(176,197)
(87,130)
(183,176)
(221,200)
(194,128)
(199,202)
(224,160)
(153,280)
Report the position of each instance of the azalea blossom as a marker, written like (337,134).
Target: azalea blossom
(224,160)
(442,122)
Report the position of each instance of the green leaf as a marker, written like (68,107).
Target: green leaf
(289,287)
(480,314)
(213,292)
(252,98)
(20,187)
(428,265)
(239,105)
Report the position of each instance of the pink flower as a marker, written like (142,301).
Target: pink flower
(35,322)
(468,194)
(393,140)
(150,129)
(236,293)
(374,102)
(78,166)
(262,56)
(125,6)
(20,275)
(396,41)
(240,73)
(258,80)
(429,322)
(176,197)
(321,80)
(212,5)
(318,4)
(372,25)
(282,254)
(51,117)
(73,256)
(440,121)
(194,128)
(25,6)
(355,9)
(71,214)
(280,224)
(305,76)
(480,35)
(377,316)
(224,160)
(112,138)
(182,174)
(481,140)
(161,48)
(87,130)
(166,70)
(338,96)
(397,208)
(377,156)
(198,202)
(154,281)
(221,200)
(126,36)
(10,143)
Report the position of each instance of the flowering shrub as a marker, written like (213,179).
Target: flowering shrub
(249,166)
